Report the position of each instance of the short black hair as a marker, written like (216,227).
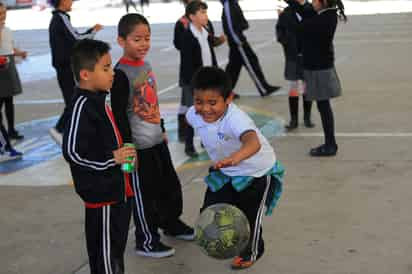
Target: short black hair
(128,22)
(54,3)
(85,55)
(212,78)
(194,7)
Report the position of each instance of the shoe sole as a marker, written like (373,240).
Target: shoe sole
(183,237)
(163,254)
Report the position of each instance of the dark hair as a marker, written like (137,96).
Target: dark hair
(85,55)
(54,3)
(194,7)
(212,78)
(340,6)
(128,22)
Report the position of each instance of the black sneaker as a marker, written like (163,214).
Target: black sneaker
(191,151)
(180,231)
(15,135)
(324,151)
(158,250)
(270,90)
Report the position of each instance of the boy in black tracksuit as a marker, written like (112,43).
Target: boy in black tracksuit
(240,52)
(62,37)
(91,146)
(180,28)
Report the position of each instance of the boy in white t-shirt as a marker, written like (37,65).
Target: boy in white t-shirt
(245,171)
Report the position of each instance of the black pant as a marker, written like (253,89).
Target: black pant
(106,237)
(328,122)
(158,200)
(66,83)
(9,111)
(251,201)
(245,56)
(4,138)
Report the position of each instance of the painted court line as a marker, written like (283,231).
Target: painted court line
(352,134)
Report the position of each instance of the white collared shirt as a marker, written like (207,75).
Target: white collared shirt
(6,42)
(202,36)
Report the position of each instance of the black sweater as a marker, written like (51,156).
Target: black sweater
(191,56)
(88,144)
(62,37)
(181,26)
(317,31)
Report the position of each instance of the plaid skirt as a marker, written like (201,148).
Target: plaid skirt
(9,79)
(322,84)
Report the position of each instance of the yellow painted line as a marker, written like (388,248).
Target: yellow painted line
(191,165)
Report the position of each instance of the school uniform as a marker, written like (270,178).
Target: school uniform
(62,38)
(88,145)
(251,185)
(158,202)
(317,33)
(240,52)
(317,30)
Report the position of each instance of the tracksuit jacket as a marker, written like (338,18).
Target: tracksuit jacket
(88,144)
(62,37)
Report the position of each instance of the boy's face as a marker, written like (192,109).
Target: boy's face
(101,79)
(137,43)
(317,5)
(66,5)
(210,104)
(200,18)
(3,12)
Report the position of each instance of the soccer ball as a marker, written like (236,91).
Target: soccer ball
(222,231)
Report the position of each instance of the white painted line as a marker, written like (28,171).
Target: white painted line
(35,145)
(25,143)
(351,134)
(39,102)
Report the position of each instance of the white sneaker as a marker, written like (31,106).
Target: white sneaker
(56,136)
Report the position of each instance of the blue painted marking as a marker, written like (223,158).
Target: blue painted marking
(37,146)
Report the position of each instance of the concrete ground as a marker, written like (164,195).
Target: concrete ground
(341,215)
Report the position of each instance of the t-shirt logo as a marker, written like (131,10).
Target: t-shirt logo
(145,102)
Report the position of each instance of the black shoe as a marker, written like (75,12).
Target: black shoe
(270,90)
(191,151)
(308,123)
(14,134)
(180,231)
(158,250)
(293,124)
(324,151)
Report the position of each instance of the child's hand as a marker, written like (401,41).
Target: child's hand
(222,38)
(123,155)
(22,54)
(229,161)
(165,138)
(97,27)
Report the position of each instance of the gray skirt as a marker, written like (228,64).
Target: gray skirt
(322,84)
(9,79)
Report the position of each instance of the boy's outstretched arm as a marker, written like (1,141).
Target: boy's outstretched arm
(250,145)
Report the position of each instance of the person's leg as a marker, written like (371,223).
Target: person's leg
(251,62)
(330,147)
(13,133)
(293,105)
(119,230)
(145,209)
(307,110)
(189,131)
(234,65)
(252,202)
(66,83)
(170,198)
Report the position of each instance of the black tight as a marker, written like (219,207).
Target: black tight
(328,122)
(9,111)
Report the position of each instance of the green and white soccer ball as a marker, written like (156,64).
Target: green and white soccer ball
(222,231)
